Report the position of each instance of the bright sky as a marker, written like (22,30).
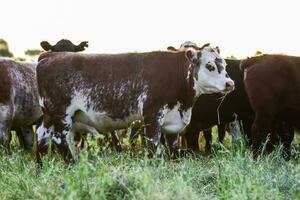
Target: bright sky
(238,27)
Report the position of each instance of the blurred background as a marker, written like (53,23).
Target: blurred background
(240,28)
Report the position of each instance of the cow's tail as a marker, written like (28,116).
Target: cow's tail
(248,62)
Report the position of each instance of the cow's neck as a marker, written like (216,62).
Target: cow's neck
(187,93)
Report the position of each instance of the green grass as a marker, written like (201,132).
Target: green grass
(230,173)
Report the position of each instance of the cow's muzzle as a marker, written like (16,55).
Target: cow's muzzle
(229,86)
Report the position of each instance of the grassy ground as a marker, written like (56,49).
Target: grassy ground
(230,173)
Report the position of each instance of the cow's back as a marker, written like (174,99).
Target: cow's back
(20,91)
(112,83)
(5,81)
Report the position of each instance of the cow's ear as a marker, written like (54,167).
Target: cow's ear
(81,46)
(218,49)
(192,56)
(46,46)
(171,48)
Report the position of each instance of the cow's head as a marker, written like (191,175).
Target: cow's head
(64,45)
(184,46)
(209,74)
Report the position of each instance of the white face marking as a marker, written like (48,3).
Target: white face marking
(44,133)
(211,81)
(173,121)
(57,140)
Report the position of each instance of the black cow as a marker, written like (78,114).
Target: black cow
(64,45)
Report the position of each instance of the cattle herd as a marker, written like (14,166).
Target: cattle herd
(177,92)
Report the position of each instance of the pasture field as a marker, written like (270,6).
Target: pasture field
(230,173)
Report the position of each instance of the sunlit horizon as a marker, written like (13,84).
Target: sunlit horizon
(239,28)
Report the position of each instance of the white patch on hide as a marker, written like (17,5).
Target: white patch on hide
(141,100)
(41,102)
(189,72)
(57,140)
(44,133)
(173,122)
(78,102)
(99,119)
(4,112)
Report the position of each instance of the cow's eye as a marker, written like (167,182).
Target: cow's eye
(210,67)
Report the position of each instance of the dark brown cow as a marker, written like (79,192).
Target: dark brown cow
(273,86)
(19,107)
(108,92)
(64,45)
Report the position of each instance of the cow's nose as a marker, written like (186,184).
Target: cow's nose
(229,86)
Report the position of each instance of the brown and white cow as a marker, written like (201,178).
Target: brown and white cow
(215,109)
(272,83)
(109,91)
(19,106)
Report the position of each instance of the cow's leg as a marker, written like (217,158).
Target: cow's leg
(152,137)
(25,136)
(133,134)
(171,142)
(116,140)
(71,141)
(44,136)
(153,121)
(260,129)
(286,136)
(287,140)
(79,142)
(192,138)
(234,130)
(6,115)
(208,138)
(221,132)
(247,123)
(274,140)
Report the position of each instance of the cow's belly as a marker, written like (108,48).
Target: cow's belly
(175,121)
(26,112)
(102,122)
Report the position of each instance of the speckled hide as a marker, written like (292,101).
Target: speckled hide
(19,106)
(109,91)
